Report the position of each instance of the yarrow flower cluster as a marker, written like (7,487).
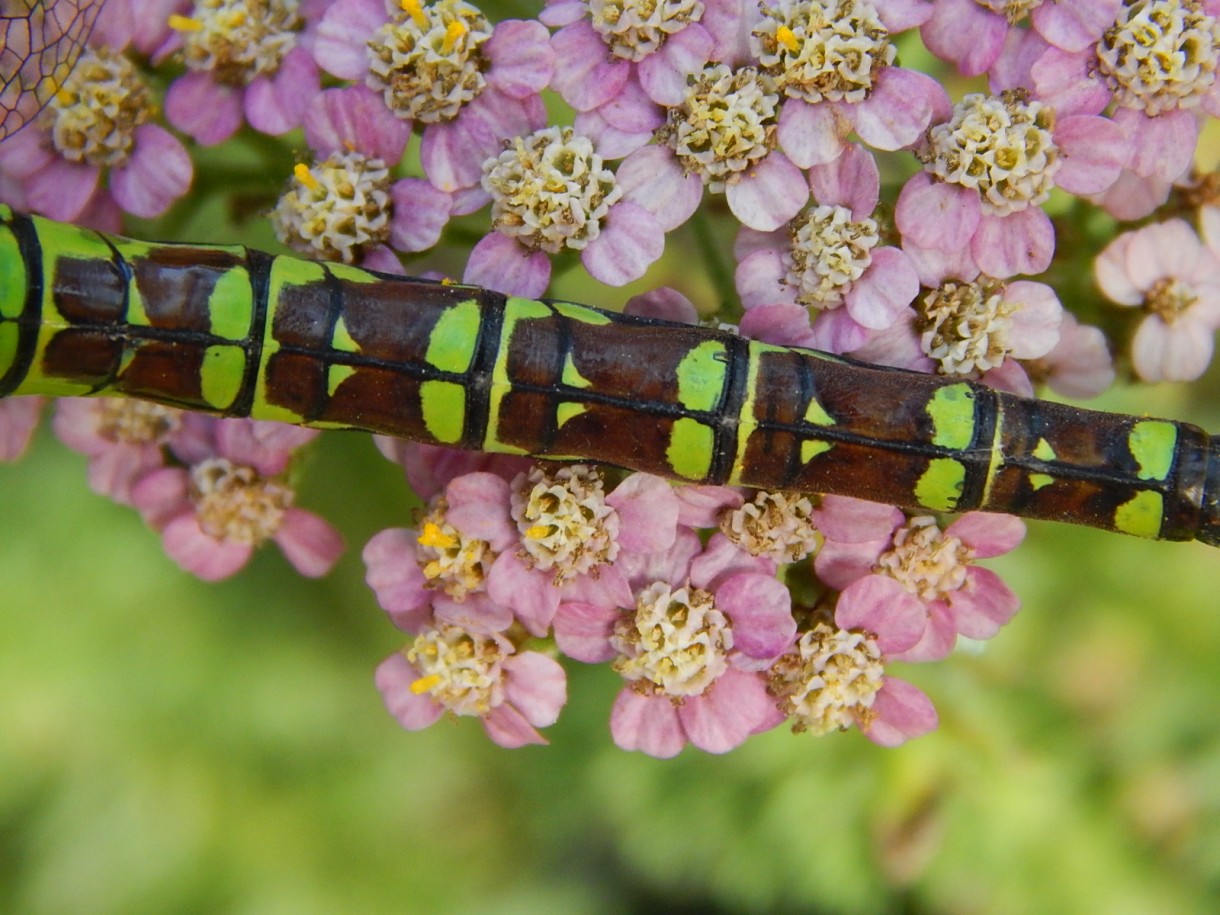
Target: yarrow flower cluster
(866,213)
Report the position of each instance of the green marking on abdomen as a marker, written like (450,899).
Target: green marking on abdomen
(454,337)
(690,448)
(443,404)
(940,486)
(1153,443)
(1141,515)
(221,375)
(952,411)
(701,376)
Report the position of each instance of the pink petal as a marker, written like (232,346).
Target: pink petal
(208,112)
(478,507)
(394,575)
(700,506)
(342,36)
(852,180)
(1164,249)
(530,594)
(646,723)
(881,605)
(499,263)
(421,213)
(277,105)
(413,711)
(1178,352)
(1023,242)
(836,331)
(18,419)
(888,286)
(938,639)
(1094,152)
(647,511)
(769,194)
(200,554)
(899,108)
(780,324)
(760,607)
(902,712)
(1161,147)
(663,303)
(1132,197)
(812,134)
(631,240)
(355,118)
(988,534)
(722,559)
(1074,26)
(839,564)
(1036,323)
(309,542)
(537,686)
(158,172)
(509,728)
(582,631)
(983,604)
(652,178)
(522,61)
(475,613)
(585,73)
(161,496)
(732,709)
(760,280)
(966,33)
(663,74)
(1068,83)
(937,215)
(849,520)
(62,190)
(1110,271)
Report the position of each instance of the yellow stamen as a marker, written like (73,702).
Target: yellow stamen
(433,536)
(236,19)
(184,23)
(453,34)
(424,684)
(305,177)
(64,97)
(538,531)
(415,10)
(785,36)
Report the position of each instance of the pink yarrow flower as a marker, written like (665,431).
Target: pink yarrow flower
(937,566)
(833,62)
(446,669)
(124,439)
(94,151)
(830,260)
(231,497)
(246,63)
(552,190)
(18,421)
(1167,272)
(987,170)
(1155,66)
(347,206)
(704,625)
(972,33)
(834,676)
(470,84)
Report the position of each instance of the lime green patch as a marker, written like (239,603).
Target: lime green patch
(952,411)
(221,374)
(443,404)
(567,410)
(13,279)
(571,374)
(582,313)
(1039,480)
(940,487)
(293,271)
(232,304)
(1153,443)
(1141,515)
(690,448)
(519,309)
(701,376)
(812,447)
(342,339)
(452,342)
(815,414)
(8,346)
(351,274)
(335,376)
(1044,451)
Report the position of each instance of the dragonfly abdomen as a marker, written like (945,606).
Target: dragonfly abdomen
(241,333)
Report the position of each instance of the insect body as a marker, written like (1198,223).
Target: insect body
(237,332)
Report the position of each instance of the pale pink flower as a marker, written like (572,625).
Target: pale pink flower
(231,497)
(1167,272)
(834,676)
(719,598)
(938,566)
(124,439)
(1080,365)
(512,692)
